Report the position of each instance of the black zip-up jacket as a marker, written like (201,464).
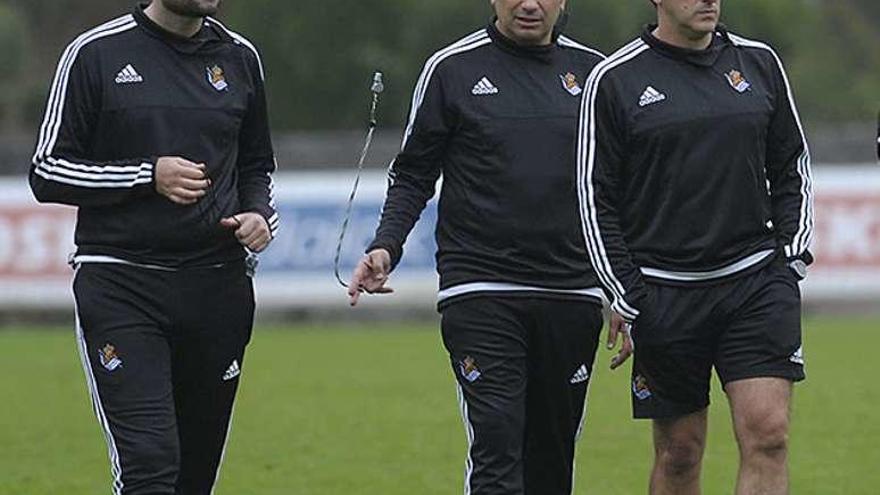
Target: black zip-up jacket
(497,121)
(693,166)
(128,92)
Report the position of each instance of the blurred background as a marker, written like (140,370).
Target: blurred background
(341,401)
(320,54)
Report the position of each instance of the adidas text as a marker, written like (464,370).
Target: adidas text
(128,75)
(484,87)
(651,96)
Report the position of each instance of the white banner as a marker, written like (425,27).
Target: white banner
(297,270)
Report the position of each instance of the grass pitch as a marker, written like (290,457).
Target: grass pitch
(372,410)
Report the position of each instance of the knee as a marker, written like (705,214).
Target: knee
(765,436)
(680,458)
(152,468)
(500,427)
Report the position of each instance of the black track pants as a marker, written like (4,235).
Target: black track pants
(523,366)
(163,352)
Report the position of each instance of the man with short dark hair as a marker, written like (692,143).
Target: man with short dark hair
(495,114)
(156,130)
(696,201)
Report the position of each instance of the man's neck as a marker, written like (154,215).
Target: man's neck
(682,37)
(175,23)
(545,41)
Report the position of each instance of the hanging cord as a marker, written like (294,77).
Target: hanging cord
(376,88)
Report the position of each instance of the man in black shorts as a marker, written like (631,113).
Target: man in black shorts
(156,130)
(696,202)
(496,115)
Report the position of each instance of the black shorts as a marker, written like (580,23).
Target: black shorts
(746,327)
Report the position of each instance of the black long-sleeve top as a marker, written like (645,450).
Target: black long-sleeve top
(498,122)
(128,92)
(693,166)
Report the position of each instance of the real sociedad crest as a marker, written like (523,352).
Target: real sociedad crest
(737,81)
(640,388)
(217,78)
(570,83)
(108,357)
(469,369)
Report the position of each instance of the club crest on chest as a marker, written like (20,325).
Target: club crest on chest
(217,78)
(737,81)
(570,84)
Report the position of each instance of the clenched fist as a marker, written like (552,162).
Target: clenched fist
(180,180)
(251,230)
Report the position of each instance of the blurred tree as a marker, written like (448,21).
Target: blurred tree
(327,51)
(320,54)
(48,26)
(12,61)
(852,52)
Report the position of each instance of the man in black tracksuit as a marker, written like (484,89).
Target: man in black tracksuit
(696,200)
(156,130)
(495,114)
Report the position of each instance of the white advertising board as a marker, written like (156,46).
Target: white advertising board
(297,270)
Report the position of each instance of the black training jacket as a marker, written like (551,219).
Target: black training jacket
(498,122)
(128,92)
(693,165)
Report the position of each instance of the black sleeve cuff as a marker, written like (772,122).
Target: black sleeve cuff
(806,257)
(270,215)
(394,249)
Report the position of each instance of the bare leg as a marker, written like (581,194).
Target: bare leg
(678,454)
(760,408)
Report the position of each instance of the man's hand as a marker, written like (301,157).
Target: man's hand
(370,275)
(251,230)
(180,180)
(616,327)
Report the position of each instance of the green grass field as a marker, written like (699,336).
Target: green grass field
(358,410)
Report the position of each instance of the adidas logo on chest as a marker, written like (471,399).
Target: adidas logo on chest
(128,75)
(651,96)
(484,87)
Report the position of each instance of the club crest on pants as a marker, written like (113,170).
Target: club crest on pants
(640,388)
(108,357)
(469,369)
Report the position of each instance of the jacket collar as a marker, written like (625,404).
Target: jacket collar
(208,35)
(542,52)
(704,58)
